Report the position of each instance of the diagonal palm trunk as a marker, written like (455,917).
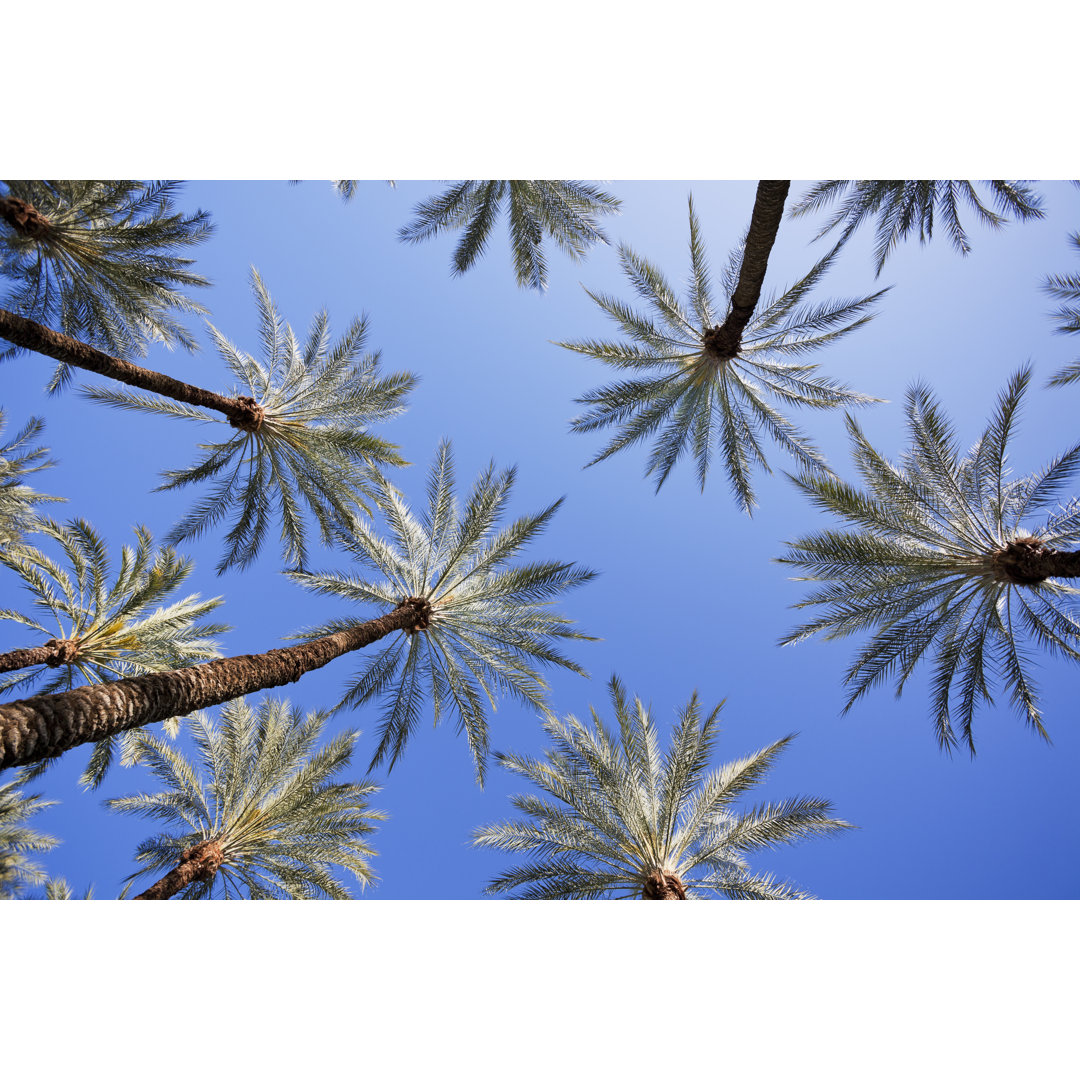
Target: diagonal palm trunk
(722,342)
(53,652)
(242,412)
(199,862)
(44,726)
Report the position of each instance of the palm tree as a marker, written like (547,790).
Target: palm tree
(18,840)
(98,259)
(624,822)
(18,458)
(946,557)
(701,386)
(302,438)
(1066,287)
(104,631)
(489,634)
(565,210)
(902,205)
(487,626)
(258,809)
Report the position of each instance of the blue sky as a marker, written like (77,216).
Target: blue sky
(688,595)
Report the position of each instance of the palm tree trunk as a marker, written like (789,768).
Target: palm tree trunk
(242,412)
(722,342)
(1027,562)
(25,219)
(44,726)
(54,653)
(200,861)
(661,886)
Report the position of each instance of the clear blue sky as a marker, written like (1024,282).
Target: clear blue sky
(688,595)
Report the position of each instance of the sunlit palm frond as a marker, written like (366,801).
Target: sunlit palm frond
(492,624)
(1066,288)
(629,822)
(18,459)
(311,448)
(947,561)
(688,400)
(18,841)
(109,627)
(564,210)
(899,207)
(101,260)
(260,786)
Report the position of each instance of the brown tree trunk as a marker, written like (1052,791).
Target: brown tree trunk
(1026,562)
(723,342)
(199,863)
(27,334)
(44,726)
(661,886)
(25,219)
(54,653)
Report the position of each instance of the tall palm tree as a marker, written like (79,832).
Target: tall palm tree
(19,458)
(489,633)
(625,822)
(1066,288)
(488,627)
(300,433)
(257,810)
(100,260)
(104,631)
(899,206)
(18,841)
(565,210)
(946,557)
(701,386)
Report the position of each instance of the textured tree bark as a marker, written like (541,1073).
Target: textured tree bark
(661,886)
(44,726)
(723,342)
(200,862)
(27,334)
(25,219)
(1027,562)
(54,653)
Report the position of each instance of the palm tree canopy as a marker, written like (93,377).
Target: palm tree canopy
(689,400)
(565,210)
(18,840)
(947,558)
(309,447)
(259,787)
(901,206)
(100,260)
(19,458)
(624,821)
(491,624)
(1066,288)
(107,630)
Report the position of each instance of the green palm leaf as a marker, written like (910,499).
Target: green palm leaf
(629,822)
(19,840)
(265,798)
(944,564)
(687,399)
(492,625)
(18,459)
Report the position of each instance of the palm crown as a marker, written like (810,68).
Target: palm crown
(690,399)
(946,558)
(565,210)
(627,822)
(900,206)
(489,625)
(258,803)
(100,260)
(19,458)
(308,444)
(105,631)
(19,840)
